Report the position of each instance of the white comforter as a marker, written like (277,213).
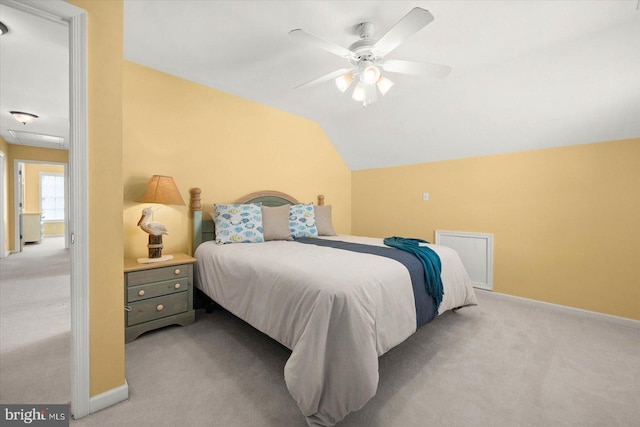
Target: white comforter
(336,310)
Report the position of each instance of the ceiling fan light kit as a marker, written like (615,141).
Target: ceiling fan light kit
(366,57)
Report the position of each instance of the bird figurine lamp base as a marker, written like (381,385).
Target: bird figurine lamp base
(155,251)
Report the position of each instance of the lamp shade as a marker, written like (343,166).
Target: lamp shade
(344,81)
(360,92)
(384,84)
(162,189)
(371,74)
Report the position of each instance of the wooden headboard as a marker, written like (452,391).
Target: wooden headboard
(204,230)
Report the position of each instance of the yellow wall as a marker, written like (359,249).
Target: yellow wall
(24,152)
(106,296)
(226,145)
(565,220)
(31,178)
(53,228)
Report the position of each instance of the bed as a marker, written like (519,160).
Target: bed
(336,306)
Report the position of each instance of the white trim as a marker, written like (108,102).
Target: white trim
(78,213)
(17,195)
(609,318)
(67,208)
(57,11)
(110,397)
(2,206)
(470,258)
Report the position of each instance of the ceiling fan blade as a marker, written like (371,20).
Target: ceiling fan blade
(325,78)
(411,23)
(322,44)
(418,68)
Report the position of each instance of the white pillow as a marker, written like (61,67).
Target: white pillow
(275,223)
(323,220)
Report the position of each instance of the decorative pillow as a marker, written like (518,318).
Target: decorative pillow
(236,223)
(323,220)
(302,221)
(275,223)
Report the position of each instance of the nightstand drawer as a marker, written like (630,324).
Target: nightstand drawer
(157,274)
(155,308)
(137,293)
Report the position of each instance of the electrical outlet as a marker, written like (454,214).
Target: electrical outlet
(425,196)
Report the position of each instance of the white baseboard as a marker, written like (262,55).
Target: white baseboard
(108,398)
(622,321)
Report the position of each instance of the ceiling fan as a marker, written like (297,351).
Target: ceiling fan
(367,56)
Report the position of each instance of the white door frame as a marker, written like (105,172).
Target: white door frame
(18,198)
(3,253)
(75,18)
(17,192)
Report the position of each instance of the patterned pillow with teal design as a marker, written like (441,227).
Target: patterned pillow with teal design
(238,223)
(302,221)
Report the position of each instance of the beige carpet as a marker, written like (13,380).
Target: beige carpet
(504,363)
(35,338)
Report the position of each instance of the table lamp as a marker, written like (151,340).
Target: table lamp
(163,190)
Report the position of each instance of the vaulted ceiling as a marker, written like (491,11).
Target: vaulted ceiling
(526,74)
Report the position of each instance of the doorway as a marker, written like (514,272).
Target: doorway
(3,238)
(41,201)
(74,18)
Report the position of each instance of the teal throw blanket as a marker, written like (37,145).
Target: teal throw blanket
(430,261)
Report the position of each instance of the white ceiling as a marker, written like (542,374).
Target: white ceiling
(34,78)
(526,74)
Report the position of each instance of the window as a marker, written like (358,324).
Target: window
(52,196)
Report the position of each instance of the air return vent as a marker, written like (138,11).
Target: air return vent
(476,253)
(38,139)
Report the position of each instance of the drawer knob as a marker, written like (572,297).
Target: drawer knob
(177,286)
(177,271)
(160,307)
(141,292)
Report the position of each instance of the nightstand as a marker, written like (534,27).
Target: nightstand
(157,294)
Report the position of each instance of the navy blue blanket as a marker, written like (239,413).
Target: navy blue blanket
(425,305)
(429,259)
